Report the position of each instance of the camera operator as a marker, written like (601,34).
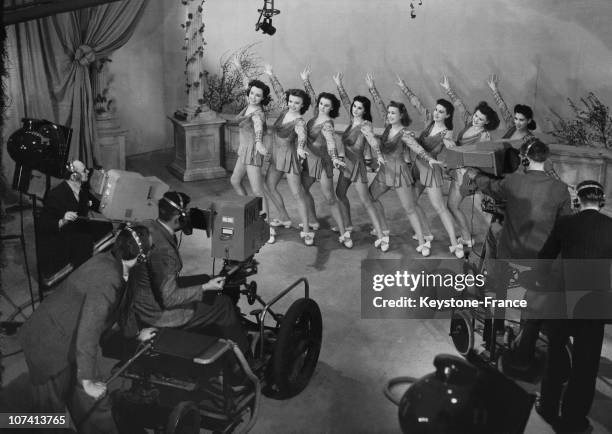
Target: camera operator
(584,236)
(64,237)
(60,339)
(160,299)
(534,201)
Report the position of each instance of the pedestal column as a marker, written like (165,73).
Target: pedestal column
(110,137)
(197,145)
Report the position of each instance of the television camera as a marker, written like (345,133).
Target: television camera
(181,381)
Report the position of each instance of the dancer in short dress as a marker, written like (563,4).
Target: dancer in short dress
(437,135)
(520,125)
(322,155)
(252,125)
(288,141)
(357,136)
(395,173)
(477,128)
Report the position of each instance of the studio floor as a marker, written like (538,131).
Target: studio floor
(358,355)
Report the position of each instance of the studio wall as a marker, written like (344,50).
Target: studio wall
(544,50)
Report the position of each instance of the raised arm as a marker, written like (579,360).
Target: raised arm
(415,101)
(413,145)
(346,100)
(507,116)
(382,107)
(305,76)
(278,88)
(458,102)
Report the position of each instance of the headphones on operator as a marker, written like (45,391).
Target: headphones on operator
(180,207)
(71,170)
(142,256)
(585,185)
(524,159)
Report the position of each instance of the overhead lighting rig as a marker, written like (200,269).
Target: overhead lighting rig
(266,13)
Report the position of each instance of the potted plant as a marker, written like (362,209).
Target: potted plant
(590,126)
(585,149)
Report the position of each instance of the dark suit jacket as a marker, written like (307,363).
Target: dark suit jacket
(158,299)
(584,241)
(534,201)
(74,242)
(67,326)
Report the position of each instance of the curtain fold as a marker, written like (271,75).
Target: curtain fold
(54,56)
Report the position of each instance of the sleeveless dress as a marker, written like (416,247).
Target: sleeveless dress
(354,144)
(396,172)
(318,159)
(247,152)
(429,176)
(284,145)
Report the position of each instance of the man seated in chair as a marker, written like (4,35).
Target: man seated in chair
(161,300)
(65,236)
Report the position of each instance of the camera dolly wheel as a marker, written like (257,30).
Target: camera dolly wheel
(297,348)
(184,419)
(462,332)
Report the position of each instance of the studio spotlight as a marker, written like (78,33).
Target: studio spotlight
(266,13)
(267,27)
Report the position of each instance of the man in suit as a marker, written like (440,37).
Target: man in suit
(534,200)
(584,241)
(64,237)
(60,339)
(161,300)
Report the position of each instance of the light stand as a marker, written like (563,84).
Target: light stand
(267,12)
(44,146)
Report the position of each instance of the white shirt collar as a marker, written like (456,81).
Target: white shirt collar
(593,207)
(168,228)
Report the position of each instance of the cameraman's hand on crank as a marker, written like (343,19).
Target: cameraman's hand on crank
(214,284)
(147,334)
(95,389)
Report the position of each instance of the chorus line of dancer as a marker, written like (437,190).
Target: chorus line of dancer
(437,135)
(322,156)
(307,152)
(477,127)
(395,174)
(288,134)
(355,139)
(252,126)
(313,157)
